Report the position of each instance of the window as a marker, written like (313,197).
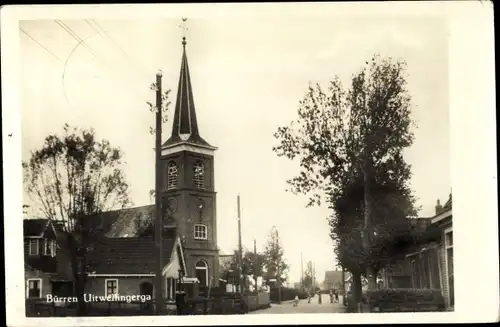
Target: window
(34,288)
(33,247)
(199,174)
(202,272)
(449,265)
(172,174)
(49,247)
(200,232)
(171,289)
(111,287)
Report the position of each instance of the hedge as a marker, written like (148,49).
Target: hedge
(404,299)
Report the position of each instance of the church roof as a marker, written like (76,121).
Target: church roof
(128,255)
(185,124)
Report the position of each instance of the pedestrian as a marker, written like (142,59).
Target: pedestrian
(336,296)
(331,296)
(319,297)
(308,297)
(296,301)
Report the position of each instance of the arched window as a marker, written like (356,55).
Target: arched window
(199,174)
(200,232)
(202,272)
(172,173)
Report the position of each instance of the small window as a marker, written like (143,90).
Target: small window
(199,175)
(53,248)
(111,287)
(33,247)
(172,174)
(449,239)
(200,232)
(34,288)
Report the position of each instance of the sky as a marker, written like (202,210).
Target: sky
(248,75)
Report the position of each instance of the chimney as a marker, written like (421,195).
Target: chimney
(439,208)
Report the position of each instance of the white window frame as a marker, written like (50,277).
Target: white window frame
(446,247)
(37,246)
(202,234)
(28,287)
(172,175)
(199,176)
(106,286)
(205,268)
(53,247)
(171,288)
(46,246)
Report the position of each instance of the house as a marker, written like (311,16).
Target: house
(333,280)
(46,263)
(428,264)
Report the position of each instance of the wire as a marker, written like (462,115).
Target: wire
(99,29)
(81,41)
(40,44)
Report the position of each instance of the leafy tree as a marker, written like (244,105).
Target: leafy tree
(350,145)
(71,177)
(274,262)
(307,281)
(252,265)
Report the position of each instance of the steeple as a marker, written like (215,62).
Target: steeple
(185,124)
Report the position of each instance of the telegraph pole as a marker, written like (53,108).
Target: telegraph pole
(255,264)
(301,272)
(159,213)
(240,248)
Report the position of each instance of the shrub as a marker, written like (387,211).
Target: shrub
(405,299)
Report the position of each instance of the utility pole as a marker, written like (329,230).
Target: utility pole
(301,272)
(159,213)
(240,248)
(255,263)
(278,278)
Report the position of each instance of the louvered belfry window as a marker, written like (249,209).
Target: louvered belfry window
(172,174)
(199,175)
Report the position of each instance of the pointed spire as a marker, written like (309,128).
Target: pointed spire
(185,124)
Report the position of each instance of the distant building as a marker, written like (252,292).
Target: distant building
(333,280)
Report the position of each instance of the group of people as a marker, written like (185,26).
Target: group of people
(334,296)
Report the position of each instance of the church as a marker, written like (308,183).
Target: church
(123,259)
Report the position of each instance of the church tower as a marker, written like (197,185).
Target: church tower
(189,196)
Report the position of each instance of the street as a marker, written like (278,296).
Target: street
(304,307)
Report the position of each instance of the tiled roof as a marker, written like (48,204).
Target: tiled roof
(123,222)
(185,122)
(132,255)
(448,204)
(34,227)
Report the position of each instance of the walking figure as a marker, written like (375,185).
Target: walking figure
(331,296)
(336,296)
(296,301)
(319,297)
(308,297)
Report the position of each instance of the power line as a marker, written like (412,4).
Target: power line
(41,45)
(99,29)
(78,39)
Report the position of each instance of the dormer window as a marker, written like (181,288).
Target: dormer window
(172,174)
(199,175)
(49,247)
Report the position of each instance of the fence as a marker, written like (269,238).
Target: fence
(221,304)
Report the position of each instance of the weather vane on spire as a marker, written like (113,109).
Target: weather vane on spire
(184,30)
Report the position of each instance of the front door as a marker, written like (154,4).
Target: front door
(146,288)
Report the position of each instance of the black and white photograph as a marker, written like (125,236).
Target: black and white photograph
(247,160)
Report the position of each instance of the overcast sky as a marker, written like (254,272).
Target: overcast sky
(248,75)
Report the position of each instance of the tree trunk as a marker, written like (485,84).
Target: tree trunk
(356,287)
(79,279)
(372,278)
